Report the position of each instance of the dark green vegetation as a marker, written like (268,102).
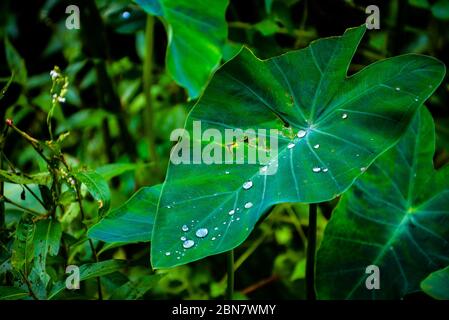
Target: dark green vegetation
(85,176)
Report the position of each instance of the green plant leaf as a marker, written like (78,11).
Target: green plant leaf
(133,290)
(46,241)
(436,284)
(395,217)
(197,32)
(15,63)
(344,124)
(20,178)
(97,187)
(22,250)
(89,271)
(12,293)
(441,9)
(131,222)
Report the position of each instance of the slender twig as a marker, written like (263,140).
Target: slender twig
(28,284)
(311,247)
(230,267)
(260,284)
(91,244)
(31,211)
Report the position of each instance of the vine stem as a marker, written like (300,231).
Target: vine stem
(230,267)
(311,248)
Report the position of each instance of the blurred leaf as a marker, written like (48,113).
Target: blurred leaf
(89,271)
(16,63)
(11,293)
(441,9)
(97,187)
(300,270)
(436,284)
(112,170)
(197,31)
(133,290)
(132,222)
(395,215)
(329,128)
(419,3)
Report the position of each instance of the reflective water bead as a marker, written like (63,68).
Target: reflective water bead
(247,185)
(290,145)
(248,205)
(188,244)
(201,233)
(185,228)
(301,133)
(316,169)
(344,116)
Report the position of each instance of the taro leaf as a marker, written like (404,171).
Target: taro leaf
(97,187)
(46,240)
(89,271)
(347,122)
(12,293)
(436,284)
(396,217)
(197,32)
(131,222)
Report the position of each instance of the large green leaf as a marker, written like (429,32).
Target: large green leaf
(22,249)
(346,122)
(131,222)
(395,217)
(436,284)
(197,32)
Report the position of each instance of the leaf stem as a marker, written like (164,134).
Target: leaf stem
(311,247)
(230,267)
(147,77)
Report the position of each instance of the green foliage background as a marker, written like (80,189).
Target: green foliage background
(131,79)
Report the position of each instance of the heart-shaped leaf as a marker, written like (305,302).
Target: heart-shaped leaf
(197,32)
(395,217)
(131,222)
(436,284)
(329,128)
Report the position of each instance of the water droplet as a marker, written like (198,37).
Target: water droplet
(183,238)
(264,169)
(185,228)
(231,212)
(167,253)
(316,169)
(363,169)
(416,99)
(168,207)
(344,116)
(224,222)
(237,219)
(216,228)
(325,170)
(248,205)
(398,89)
(226,172)
(126,14)
(247,185)
(188,244)
(201,233)
(301,133)
(316,146)
(290,145)
(213,238)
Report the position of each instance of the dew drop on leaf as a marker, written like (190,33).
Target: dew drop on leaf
(316,169)
(183,238)
(247,185)
(344,116)
(201,233)
(248,205)
(185,228)
(316,146)
(301,133)
(290,145)
(325,170)
(167,253)
(188,244)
